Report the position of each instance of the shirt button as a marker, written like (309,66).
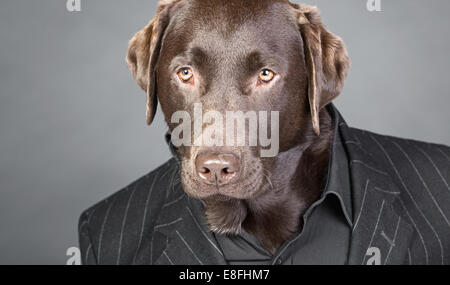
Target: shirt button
(279,261)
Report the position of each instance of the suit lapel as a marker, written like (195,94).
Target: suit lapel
(379,234)
(187,240)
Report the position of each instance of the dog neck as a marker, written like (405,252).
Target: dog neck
(296,180)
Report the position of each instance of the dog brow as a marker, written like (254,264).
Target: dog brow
(257,60)
(198,56)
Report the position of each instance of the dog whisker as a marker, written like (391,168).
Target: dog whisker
(267,178)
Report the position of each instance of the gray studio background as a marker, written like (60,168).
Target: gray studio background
(72,120)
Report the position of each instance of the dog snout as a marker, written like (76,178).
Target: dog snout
(217,168)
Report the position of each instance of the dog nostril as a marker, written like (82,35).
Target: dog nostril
(227,172)
(204,173)
(205,170)
(217,168)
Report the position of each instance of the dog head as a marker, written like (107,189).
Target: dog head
(251,56)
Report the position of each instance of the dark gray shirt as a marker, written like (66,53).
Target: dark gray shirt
(325,237)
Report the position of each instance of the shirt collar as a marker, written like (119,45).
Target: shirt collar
(338,175)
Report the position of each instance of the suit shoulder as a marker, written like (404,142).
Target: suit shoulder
(122,196)
(122,216)
(371,140)
(425,164)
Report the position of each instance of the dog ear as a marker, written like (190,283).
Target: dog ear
(326,60)
(143,53)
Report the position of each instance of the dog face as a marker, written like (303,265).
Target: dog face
(238,55)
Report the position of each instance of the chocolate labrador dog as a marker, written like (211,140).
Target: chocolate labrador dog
(246,55)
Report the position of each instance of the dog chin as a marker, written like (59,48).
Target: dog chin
(221,193)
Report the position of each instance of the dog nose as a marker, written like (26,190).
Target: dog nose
(217,168)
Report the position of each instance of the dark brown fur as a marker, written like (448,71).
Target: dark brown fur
(227,41)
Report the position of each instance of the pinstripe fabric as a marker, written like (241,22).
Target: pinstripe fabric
(400,200)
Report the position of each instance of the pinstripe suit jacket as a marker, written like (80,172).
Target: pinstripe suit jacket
(400,195)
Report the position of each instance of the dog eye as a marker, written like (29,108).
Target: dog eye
(185,74)
(266,75)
